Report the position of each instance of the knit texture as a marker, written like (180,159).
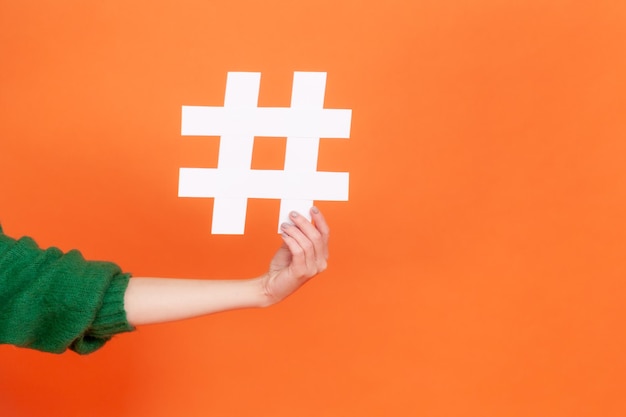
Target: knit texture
(53,301)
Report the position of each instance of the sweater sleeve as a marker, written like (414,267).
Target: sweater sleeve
(53,301)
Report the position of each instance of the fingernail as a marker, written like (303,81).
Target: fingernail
(315,210)
(285,225)
(293,214)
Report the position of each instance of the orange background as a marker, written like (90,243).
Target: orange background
(477,270)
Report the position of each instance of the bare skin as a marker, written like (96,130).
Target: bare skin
(303,254)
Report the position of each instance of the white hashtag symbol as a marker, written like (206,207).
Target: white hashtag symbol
(237,123)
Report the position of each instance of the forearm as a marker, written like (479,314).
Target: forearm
(156,300)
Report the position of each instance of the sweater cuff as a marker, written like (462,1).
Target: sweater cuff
(110,319)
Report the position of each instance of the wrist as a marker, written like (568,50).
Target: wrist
(264,297)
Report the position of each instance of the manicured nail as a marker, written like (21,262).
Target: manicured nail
(315,210)
(285,225)
(293,214)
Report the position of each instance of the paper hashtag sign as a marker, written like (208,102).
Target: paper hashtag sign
(233,182)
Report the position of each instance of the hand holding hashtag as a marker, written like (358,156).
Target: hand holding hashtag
(303,255)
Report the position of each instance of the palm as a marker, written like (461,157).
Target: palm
(281,259)
(280,282)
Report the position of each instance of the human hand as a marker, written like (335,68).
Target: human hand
(303,254)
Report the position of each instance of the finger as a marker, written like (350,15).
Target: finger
(306,244)
(298,262)
(322,227)
(320,244)
(303,224)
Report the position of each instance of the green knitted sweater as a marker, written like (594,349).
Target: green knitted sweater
(53,301)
